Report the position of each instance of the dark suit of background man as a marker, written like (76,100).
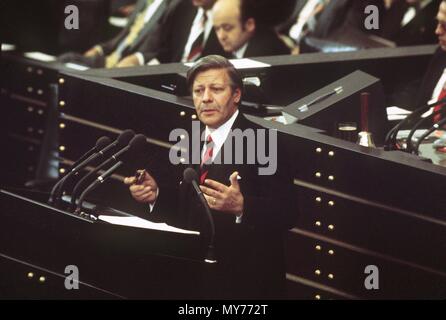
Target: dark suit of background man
(433,86)
(251,214)
(434,82)
(139,39)
(334,20)
(415,94)
(243,32)
(187,33)
(409,22)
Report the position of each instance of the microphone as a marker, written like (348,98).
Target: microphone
(134,147)
(418,124)
(437,125)
(191,176)
(390,140)
(101,143)
(122,140)
(101,179)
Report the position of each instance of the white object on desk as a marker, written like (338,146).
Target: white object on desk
(40,56)
(144,224)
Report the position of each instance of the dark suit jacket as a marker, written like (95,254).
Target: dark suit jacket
(266,42)
(148,39)
(251,254)
(431,77)
(341,21)
(176,27)
(284,27)
(420,30)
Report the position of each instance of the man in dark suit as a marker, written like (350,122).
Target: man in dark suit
(134,44)
(401,22)
(409,22)
(335,21)
(434,81)
(187,33)
(242,31)
(251,210)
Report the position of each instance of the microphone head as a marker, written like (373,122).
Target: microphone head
(190,175)
(102,142)
(124,138)
(137,144)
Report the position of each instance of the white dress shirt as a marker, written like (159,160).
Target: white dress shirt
(306,17)
(412,12)
(437,90)
(218,135)
(240,53)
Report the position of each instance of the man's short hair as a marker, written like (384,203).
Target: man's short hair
(215,62)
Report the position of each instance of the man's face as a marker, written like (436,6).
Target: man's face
(231,32)
(205,4)
(441,26)
(214,99)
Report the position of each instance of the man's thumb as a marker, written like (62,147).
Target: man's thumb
(234,180)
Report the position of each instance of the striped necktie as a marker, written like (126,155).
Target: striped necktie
(207,159)
(439,106)
(197,47)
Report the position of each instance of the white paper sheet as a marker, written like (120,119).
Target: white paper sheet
(144,224)
(241,64)
(40,56)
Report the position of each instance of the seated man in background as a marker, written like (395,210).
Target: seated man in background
(141,35)
(401,22)
(251,210)
(242,32)
(409,22)
(187,33)
(325,20)
(434,81)
(433,84)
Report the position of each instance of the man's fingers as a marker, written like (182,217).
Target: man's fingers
(212,202)
(234,180)
(145,196)
(216,185)
(129,180)
(210,192)
(139,191)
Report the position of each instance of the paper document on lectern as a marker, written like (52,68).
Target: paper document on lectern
(141,223)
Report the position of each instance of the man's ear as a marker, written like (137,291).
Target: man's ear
(250,25)
(237,95)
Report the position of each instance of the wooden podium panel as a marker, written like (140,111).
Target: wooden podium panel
(113,261)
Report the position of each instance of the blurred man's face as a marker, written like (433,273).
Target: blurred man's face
(205,4)
(441,26)
(231,32)
(214,99)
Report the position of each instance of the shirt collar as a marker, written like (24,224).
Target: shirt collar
(240,53)
(219,135)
